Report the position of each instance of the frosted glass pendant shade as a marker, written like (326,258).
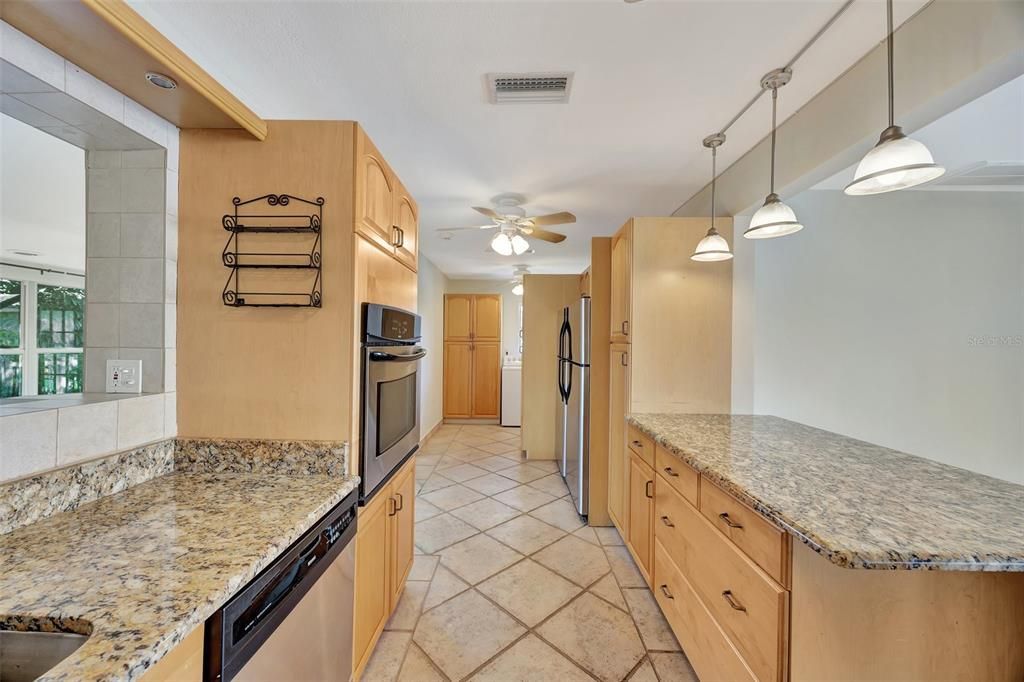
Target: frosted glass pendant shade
(712,248)
(519,245)
(517,290)
(502,244)
(896,162)
(774,219)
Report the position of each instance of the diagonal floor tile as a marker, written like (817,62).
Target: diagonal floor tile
(560,513)
(478,558)
(529,660)
(409,605)
(463,472)
(596,635)
(496,463)
(577,560)
(423,566)
(645,673)
(524,498)
(501,448)
(606,588)
(609,535)
(529,591)
(387,657)
(485,513)
(441,531)
(673,667)
(524,473)
(650,621)
(624,568)
(548,465)
(435,482)
(526,534)
(425,510)
(443,587)
(452,497)
(418,668)
(587,533)
(464,632)
(552,484)
(490,484)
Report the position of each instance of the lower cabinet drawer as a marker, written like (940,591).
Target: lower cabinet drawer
(710,652)
(750,607)
(640,443)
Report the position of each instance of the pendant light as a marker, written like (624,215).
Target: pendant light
(896,161)
(774,218)
(713,247)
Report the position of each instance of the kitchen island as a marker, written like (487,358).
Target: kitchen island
(761,531)
(140,570)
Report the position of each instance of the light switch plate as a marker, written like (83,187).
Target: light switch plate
(124,376)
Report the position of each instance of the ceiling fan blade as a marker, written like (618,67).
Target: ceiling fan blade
(552,219)
(459,229)
(487,212)
(546,236)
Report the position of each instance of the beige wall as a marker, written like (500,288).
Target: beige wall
(544,296)
(432,285)
(265,372)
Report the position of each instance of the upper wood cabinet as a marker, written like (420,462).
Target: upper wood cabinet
(458,317)
(621,284)
(487,317)
(386,213)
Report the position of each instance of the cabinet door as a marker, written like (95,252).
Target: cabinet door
(641,514)
(458,380)
(403,491)
(487,317)
(621,283)
(486,380)
(407,222)
(372,596)
(375,197)
(458,317)
(618,461)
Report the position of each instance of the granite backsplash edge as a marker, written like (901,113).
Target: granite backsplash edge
(33,498)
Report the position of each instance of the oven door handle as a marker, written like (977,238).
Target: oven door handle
(378,356)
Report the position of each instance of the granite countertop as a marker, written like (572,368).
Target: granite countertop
(144,567)
(860,505)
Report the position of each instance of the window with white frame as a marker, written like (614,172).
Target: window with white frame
(41,338)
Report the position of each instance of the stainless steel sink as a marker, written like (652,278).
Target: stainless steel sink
(24,656)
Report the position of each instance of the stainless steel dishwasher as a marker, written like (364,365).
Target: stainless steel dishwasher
(294,620)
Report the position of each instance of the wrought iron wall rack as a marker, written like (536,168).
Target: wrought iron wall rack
(263,221)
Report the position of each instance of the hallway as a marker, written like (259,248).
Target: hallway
(509,585)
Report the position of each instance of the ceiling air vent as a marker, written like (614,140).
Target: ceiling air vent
(529,88)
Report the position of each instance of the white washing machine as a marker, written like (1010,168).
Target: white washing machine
(511,394)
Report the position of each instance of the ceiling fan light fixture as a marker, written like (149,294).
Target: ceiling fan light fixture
(519,245)
(501,244)
(517,289)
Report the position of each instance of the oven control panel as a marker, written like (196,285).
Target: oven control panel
(384,323)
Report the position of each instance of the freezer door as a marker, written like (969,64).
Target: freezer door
(579,331)
(577,438)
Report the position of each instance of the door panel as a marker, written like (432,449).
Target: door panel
(407,221)
(618,460)
(641,511)
(458,380)
(372,602)
(376,200)
(486,380)
(458,317)
(621,281)
(404,493)
(487,317)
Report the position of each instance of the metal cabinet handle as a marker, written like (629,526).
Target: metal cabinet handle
(727,595)
(401,238)
(648,487)
(668,470)
(664,591)
(393,505)
(729,522)
(624,360)
(667,522)
(625,327)
(401,503)
(638,444)
(394,235)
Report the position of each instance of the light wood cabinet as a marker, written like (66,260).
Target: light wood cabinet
(621,283)
(472,356)
(618,459)
(640,539)
(183,663)
(384,556)
(386,213)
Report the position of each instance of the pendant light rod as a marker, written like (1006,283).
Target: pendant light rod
(775,102)
(889,48)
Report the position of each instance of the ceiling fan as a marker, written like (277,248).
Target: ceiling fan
(514,225)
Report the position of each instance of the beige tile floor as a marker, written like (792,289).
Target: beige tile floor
(509,584)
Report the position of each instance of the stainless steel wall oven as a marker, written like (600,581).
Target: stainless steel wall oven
(391,408)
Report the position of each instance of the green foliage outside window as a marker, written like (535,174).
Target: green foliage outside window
(10,313)
(61,316)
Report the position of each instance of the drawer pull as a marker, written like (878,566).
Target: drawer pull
(649,489)
(638,444)
(668,470)
(392,506)
(664,591)
(729,522)
(401,503)
(732,601)
(667,522)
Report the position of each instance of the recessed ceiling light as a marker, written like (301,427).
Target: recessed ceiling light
(161,81)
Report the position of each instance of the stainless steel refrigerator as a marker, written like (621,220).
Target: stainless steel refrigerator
(572,444)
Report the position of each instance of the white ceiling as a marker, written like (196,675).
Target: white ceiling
(651,80)
(987,130)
